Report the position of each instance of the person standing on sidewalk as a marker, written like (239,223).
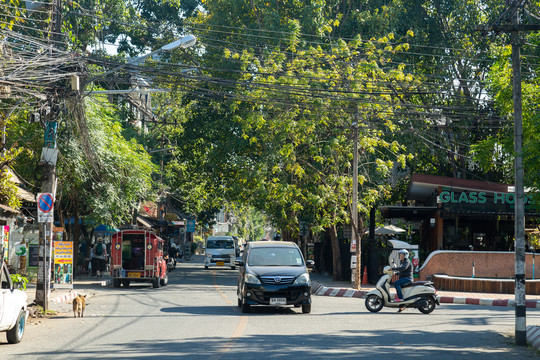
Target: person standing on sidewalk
(100,254)
(405,273)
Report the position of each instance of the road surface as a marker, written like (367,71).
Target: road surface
(196,317)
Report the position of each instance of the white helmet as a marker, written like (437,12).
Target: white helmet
(404,252)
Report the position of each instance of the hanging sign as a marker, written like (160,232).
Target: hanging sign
(190,226)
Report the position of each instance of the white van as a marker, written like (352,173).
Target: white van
(220,251)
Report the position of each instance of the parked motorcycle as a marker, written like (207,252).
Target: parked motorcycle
(420,295)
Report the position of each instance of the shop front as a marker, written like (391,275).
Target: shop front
(460,214)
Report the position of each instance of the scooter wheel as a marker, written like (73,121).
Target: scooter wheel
(428,305)
(374,303)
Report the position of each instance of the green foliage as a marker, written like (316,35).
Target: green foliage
(18,278)
(496,153)
(249,223)
(108,185)
(10,14)
(8,188)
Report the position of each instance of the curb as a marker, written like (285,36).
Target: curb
(321,290)
(533,336)
(531,304)
(65,298)
(73,294)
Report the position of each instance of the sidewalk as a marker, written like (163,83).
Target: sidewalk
(81,285)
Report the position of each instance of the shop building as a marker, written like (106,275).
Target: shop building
(461,214)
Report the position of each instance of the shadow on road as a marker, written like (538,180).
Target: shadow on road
(359,345)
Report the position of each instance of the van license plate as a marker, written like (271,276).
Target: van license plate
(220,263)
(278,301)
(134,274)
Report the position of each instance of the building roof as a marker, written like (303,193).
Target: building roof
(422,187)
(8,209)
(22,194)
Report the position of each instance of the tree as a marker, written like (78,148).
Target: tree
(107,182)
(249,223)
(496,153)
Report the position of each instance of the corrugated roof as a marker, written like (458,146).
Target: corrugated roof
(26,195)
(8,209)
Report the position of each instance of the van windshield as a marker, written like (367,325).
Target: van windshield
(220,244)
(275,256)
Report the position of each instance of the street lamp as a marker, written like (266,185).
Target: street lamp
(183,42)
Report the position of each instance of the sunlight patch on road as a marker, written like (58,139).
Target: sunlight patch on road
(238,331)
(218,289)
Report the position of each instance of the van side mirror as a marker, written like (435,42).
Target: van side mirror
(310,264)
(239,262)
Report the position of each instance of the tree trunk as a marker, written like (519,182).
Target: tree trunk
(336,254)
(286,235)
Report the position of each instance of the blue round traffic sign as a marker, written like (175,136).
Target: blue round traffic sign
(45,202)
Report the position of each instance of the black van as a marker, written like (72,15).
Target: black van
(273,273)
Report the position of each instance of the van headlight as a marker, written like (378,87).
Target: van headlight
(251,279)
(302,280)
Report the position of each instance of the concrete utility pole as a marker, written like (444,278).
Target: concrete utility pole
(49,182)
(514,29)
(519,217)
(354,211)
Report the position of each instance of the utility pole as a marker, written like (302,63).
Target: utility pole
(354,210)
(519,217)
(512,14)
(49,171)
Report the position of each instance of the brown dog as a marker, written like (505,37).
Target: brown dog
(79,303)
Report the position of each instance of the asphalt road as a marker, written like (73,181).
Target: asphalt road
(196,317)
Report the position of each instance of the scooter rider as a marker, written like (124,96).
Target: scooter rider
(405,273)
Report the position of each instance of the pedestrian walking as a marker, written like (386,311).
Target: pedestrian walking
(93,264)
(100,254)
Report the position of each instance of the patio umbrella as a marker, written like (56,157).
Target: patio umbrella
(398,244)
(388,230)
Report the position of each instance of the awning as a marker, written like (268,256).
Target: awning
(143,222)
(408,212)
(106,229)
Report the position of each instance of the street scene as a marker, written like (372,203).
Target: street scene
(233,179)
(195,317)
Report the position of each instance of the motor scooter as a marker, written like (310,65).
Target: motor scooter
(171,263)
(420,295)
